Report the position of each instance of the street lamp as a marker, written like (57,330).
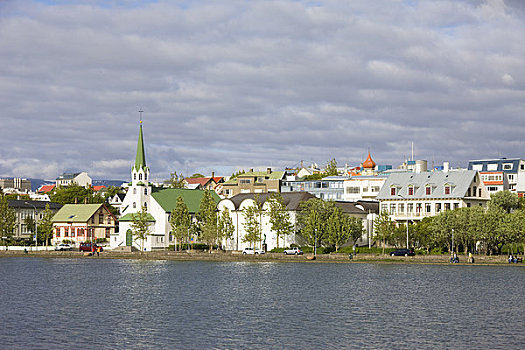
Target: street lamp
(407,215)
(36,225)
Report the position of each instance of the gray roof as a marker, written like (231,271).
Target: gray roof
(349,208)
(29,204)
(68,176)
(459,182)
(291,199)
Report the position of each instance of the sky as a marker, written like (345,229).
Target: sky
(230,85)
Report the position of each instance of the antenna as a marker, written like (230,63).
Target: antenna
(141,111)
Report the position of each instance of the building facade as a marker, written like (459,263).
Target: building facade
(512,169)
(69,179)
(25,209)
(253,182)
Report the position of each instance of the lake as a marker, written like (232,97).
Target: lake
(133,304)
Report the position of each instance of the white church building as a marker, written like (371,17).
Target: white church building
(159,202)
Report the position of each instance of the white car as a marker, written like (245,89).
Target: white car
(251,251)
(293,251)
(63,246)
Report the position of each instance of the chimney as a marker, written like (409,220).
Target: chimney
(446,167)
(268,170)
(212,174)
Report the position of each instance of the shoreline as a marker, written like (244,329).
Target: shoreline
(268,257)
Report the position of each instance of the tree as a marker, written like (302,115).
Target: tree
(331,168)
(7,218)
(252,222)
(207,219)
(75,194)
(505,200)
(45,227)
(196,176)
(225,225)
(312,220)
(180,221)
(422,233)
(341,228)
(279,216)
(175,181)
(112,191)
(384,228)
(140,226)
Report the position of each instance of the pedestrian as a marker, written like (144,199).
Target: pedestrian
(510,258)
(98,251)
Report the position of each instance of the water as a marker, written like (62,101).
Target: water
(127,304)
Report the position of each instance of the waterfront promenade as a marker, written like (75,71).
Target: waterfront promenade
(268,257)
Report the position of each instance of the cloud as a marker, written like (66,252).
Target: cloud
(232,84)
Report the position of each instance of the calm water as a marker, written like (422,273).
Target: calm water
(125,304)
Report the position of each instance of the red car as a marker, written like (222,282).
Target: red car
(87,247)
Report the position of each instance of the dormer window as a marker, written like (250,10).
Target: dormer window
(392,191)
(428,190)
(411,190)
(447,189)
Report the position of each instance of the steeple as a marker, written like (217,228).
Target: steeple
(140,160)
(369,163)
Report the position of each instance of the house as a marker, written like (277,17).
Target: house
(412,196)
(253,182)
(328,188)
(21,185)
(69,179)
(83,222)
(512,168)
(116,201)
(158,203)
(292,200)
(28,209)
(204,183)
(363,187)
(494,181)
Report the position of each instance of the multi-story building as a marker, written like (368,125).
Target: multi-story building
(69,179)
(22,185)
(494,181)
(83,222)
(253,182)
(413,196)
(363,187)
(512,168)
(25,209)
(328,188)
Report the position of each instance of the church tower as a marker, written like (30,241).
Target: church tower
(139,191)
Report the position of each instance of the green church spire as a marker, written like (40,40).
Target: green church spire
(140,160)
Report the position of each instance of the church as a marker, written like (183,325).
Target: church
(159,202)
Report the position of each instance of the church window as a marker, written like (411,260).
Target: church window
(146,191)
(145,176)
(140,176)
(145,205)
(134,205)
(134,176)
(134,191)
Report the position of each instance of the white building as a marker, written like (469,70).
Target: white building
(69,179)
(363,187)
(413,196)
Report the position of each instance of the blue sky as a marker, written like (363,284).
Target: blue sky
(227,85)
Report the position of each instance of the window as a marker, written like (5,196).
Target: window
(145,176)
(468,192)
(375,188)
(353,189)
(383,207)
(134,205)
(479,191)
(438,207)
(507,166)
(447,206)
(392,208)
(100,218)
(58,232)
(401,208)
(66,232)
(140,176)
(477,167)
(428,208)
(392,191)
(411,190)
(492,188)
(146,191)
(134,176)
(447,189)
(145,205)
(428,190)
(244,181)
(474,191)
(492,167)
(511,177)
(134,191)
(456,205)
(410,208)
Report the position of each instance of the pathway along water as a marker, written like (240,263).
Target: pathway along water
(136,304)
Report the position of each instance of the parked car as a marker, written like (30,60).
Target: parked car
(63,246)
(403,252)
(87,247)
(293,251)
(251,251)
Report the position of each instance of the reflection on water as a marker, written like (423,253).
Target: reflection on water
(115,304)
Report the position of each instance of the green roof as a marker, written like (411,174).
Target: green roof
(129,217)
(140,159)
(76,212)
(274,175)
(167,198)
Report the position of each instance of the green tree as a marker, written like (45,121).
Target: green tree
(112,191)
(312,218)
(225,225)
(180,222)
(75,194)
(207,219)
(384,228)
(331,168)
(196,176)
(252,222)
(7,218)
(140,226)
(45,226)
(342,228)
(175,181)
(421,233)
(505,200)
(279,216)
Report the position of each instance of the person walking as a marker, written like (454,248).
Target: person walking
(98,251)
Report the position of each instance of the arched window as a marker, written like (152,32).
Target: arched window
(145,176)
(145,205)
(146,191)
(134,176)
(134,205)
(140,176)
(134,191)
